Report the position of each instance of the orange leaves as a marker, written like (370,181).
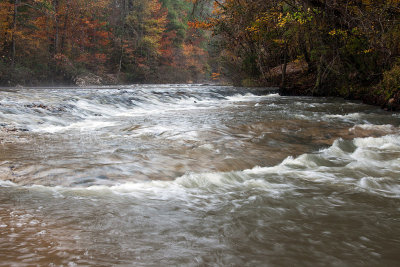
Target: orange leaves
(100,57)
(131,34)
(167,50)
(60,57)
(6,11)
(215,76)
(195,57)
(200,24)
(92,34)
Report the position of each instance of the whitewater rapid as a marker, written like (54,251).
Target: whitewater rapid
(195,175)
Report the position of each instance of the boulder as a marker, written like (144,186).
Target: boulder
(394,103)
(88,79)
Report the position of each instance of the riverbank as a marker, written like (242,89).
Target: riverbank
(299,82)
(384,93)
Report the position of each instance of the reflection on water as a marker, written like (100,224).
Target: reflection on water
(195,175)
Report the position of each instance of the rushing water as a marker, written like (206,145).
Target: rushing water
(196,175)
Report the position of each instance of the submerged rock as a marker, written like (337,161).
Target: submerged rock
(42,106)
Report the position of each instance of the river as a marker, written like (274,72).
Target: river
(196,175)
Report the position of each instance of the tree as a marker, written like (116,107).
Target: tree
(55,40)
(342,41)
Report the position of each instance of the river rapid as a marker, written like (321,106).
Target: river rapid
(192,175)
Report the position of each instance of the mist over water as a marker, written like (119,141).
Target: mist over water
(196,175)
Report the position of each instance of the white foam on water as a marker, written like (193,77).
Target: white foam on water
(271,95)
(54,111)
(344,164)
(249,97)
(90,107)
(341,164)
(389,142)
(153,130)
(350,116)
(301,117)
(172,132)
(384,185)
(385,128)
(7,184)
(85,125)
(207,146)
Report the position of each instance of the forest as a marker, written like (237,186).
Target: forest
(348,48)
(120,41)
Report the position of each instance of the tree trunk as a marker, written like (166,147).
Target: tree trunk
(284,66)
(123,15)
(120,61)
(64,33)
(303,47)
(13,52)
(56,37)
(317,86)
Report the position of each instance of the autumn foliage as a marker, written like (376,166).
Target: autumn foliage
(325,47)
(344,44)
(53,41)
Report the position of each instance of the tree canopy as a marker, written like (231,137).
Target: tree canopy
(134,40)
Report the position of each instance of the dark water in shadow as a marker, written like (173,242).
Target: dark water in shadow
(196,175)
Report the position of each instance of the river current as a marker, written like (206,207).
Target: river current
(196,175)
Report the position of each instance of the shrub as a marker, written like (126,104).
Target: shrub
(390,84)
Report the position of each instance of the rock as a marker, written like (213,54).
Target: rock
(42,106)
(393,105)
(88,79)
(110,79)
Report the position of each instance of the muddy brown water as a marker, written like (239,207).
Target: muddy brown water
(196,175)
